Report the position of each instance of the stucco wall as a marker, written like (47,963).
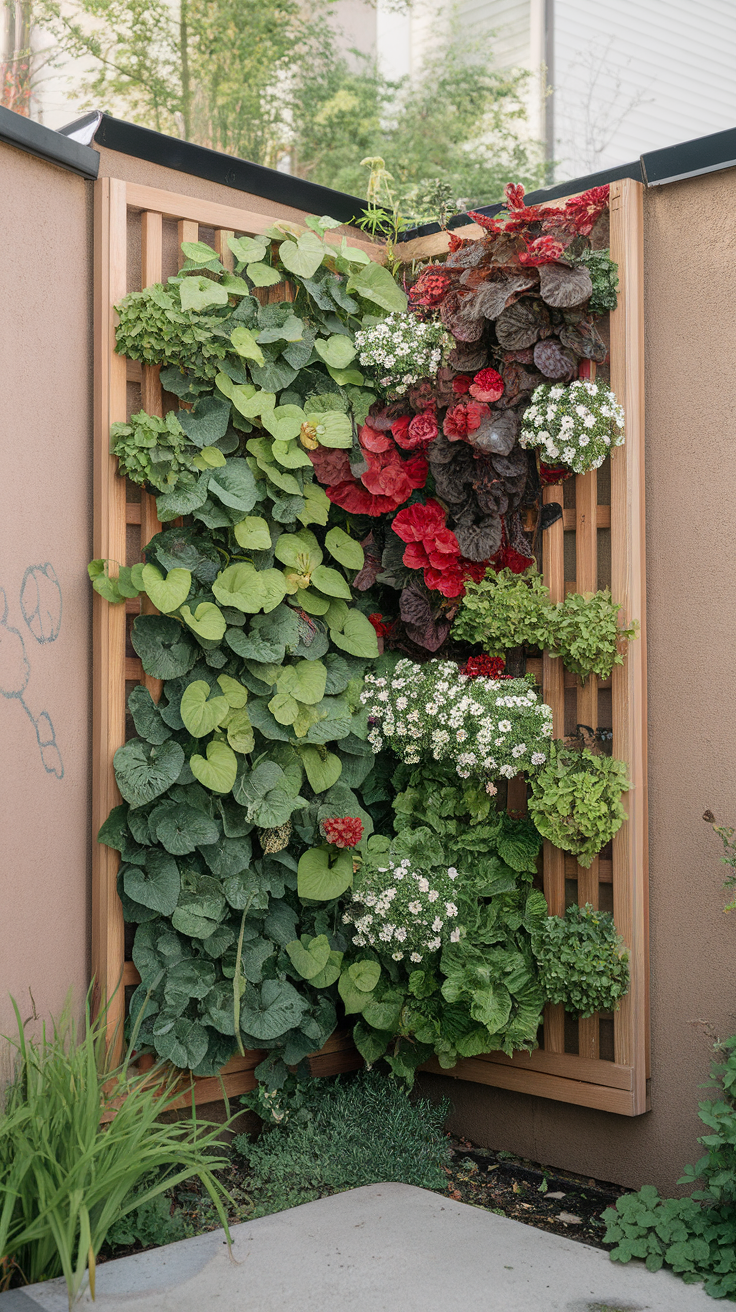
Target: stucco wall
(690,295)
(45,417)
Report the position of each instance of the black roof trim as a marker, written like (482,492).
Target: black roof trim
(633,170)
(690,158)
(48,145)
(186,157)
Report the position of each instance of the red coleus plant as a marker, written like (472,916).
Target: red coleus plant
(586,209)
(487,385)
(541,251)
(464,418)
(387,482)
(430,287)
(346,831)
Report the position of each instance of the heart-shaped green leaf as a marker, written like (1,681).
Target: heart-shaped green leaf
(246,249)
(358,636)
(317,508)
(322,875)
(290,455)
(312,959)
(302,256)
(207,621)
(337,350)
(240,586)
(332,583)
(199,251)
(374,283)
(323,768)
(218,771)
(262,275)
(157,885)
(332,428)
(234,693)
(306,681)
(300,552)
(234,485)
(143,771)
(283,707)
(245,344)
(240,731)
(198,293)
(310,601)
(200,712)
(365,975)
(345,549)
(252,533)
(346,377)
(168,593)
(284,422)
(209,458)
(291,330)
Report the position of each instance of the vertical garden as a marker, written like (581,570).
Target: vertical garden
(314,825)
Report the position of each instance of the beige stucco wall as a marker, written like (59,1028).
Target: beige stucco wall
(690,313)
(45,539)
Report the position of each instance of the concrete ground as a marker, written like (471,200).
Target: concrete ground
(383,1248)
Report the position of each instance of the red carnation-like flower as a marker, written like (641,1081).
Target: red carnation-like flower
(371,440)
(418,522)
(346,831)
(463,419)
(448,581)
(461,384)
(542,251)
(400,430)
(487,385)
(484,667)
(421,431)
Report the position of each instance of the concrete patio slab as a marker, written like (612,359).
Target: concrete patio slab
(383,1248)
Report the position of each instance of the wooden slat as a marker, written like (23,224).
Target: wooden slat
(133,371)
(133,669)
(132,512)
(568,1065)
(151,272)
(174,205)
(553,684)
(131,974)
(630,845)
(602,517)
(222,248)
(586,580)
(108,662)
(534,665)
(582,1094)
(605,870)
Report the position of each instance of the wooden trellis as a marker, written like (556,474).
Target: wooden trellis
(601,1062)
(138,234)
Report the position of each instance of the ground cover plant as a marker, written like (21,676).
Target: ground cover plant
(326,738)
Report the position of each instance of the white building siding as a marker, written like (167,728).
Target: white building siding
(631,77)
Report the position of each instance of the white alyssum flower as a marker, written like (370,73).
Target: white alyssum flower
(412,920)
(457,718)
(584,421)
(402,349)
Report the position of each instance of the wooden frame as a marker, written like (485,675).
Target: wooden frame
(620,1085)
(113,514)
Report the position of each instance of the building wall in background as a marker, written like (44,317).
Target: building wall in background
(690,392)
(45,603)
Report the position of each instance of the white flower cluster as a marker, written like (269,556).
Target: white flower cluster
(401,350)
(576,426)
(401,911)
(491,727)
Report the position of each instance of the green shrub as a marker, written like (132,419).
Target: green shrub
(718,1166)
(585,633)
(582,960)
(503,611)
(363,1130)
(66,1174)
(151,1224)
(576,803)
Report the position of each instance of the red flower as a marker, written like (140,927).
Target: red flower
(400,430)
(463,419)
(376,619)
(487,385)
(474,569)
(331,465)
(485,667)
(448,581)
(461,383)
(390,476)
(483,221)
(343,832)
(418,522)
(415,555)
(371,440)
(456,243)
(422,430)
(542,251)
